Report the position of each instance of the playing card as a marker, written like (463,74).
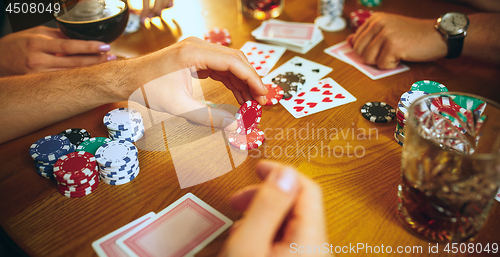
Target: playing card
(325,94)
(296,74)
(181,229)
(299,33)
(106,246)
(261,56)
(344,52)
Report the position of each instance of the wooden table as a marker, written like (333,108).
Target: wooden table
(359,193)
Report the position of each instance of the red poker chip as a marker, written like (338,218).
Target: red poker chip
(79,193)
(248,117)
(75,165)
(246,142)
(359,17)
(77,181)
(80,187)
(218,36)
(274,95)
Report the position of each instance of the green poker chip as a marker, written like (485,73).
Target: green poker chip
(428,86)
(467,102)
(91,145)
(370,3)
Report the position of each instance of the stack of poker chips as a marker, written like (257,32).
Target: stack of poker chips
(370,3)
(118,162)
(92,144)
(47,150)
(76,174)
(247,136)
(75,135)
(124,124)
(330,18)
(417,90)
(359,17)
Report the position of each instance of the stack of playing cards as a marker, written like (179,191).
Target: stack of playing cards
(305,93)
(181,229)
(295,36)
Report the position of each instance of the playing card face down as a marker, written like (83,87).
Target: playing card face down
(344,52)
(181,229)
(323,95)
(107,247)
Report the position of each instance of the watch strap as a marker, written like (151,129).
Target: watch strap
(455,45)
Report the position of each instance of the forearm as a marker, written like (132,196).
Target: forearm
(31,102)
(483,40)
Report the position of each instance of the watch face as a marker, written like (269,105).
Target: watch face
(454,23)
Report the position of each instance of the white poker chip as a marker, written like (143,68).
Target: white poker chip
(133,25)
(116,153)
(122,118)
(410,97)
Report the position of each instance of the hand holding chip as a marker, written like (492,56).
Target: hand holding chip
(283,212)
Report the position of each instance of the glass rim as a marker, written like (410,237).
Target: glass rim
(421,99)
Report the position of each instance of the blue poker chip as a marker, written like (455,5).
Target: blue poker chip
(116,153)
(50,148)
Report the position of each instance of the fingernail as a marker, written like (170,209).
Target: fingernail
(104,48)
(111,57)
(227,122)
(286,180)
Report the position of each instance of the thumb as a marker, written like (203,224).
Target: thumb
(267,212)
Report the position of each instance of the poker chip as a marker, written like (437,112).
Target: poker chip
(124,124)
(399,138)
(274,95)
(218,36)
(410,97)
(428,86)
(246,142)
(331,12)
(92,144)
(290,82)
(75,135)
(118,162)
(370,3)
(46,151)
(76,174)
(248,117)
(359,17)
(378,112)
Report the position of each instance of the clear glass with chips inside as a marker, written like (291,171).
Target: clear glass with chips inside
(450,166)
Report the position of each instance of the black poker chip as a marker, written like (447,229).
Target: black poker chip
(378,112)
(75,135)
(290,82)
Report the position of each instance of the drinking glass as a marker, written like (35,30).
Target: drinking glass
(262,9)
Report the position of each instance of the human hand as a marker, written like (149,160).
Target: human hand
(167,79)
(386,39)
(159,5)
(44,49)
(286,208)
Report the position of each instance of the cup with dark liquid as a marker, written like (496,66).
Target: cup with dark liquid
(450,166)
(101,20)
(262,9)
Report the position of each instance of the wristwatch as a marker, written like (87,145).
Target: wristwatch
(453,26)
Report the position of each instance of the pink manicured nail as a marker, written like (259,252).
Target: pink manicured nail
(111,57)
(104,48)
(286,180)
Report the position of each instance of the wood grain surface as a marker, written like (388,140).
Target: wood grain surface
(359,186)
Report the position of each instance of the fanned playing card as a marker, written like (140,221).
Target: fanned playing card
(107,247)
(181,229)
(324,95)
(261,56)
(296,74)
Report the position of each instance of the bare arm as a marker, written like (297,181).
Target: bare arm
(386,39)
(33,101)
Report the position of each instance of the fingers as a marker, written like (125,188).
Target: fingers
(53,61)
(146,10)
(266,213)
(223,60)
(242,199)
(73,46)
(159,5)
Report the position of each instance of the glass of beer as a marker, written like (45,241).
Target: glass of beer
(450,166)
(262,9)
(102,20)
